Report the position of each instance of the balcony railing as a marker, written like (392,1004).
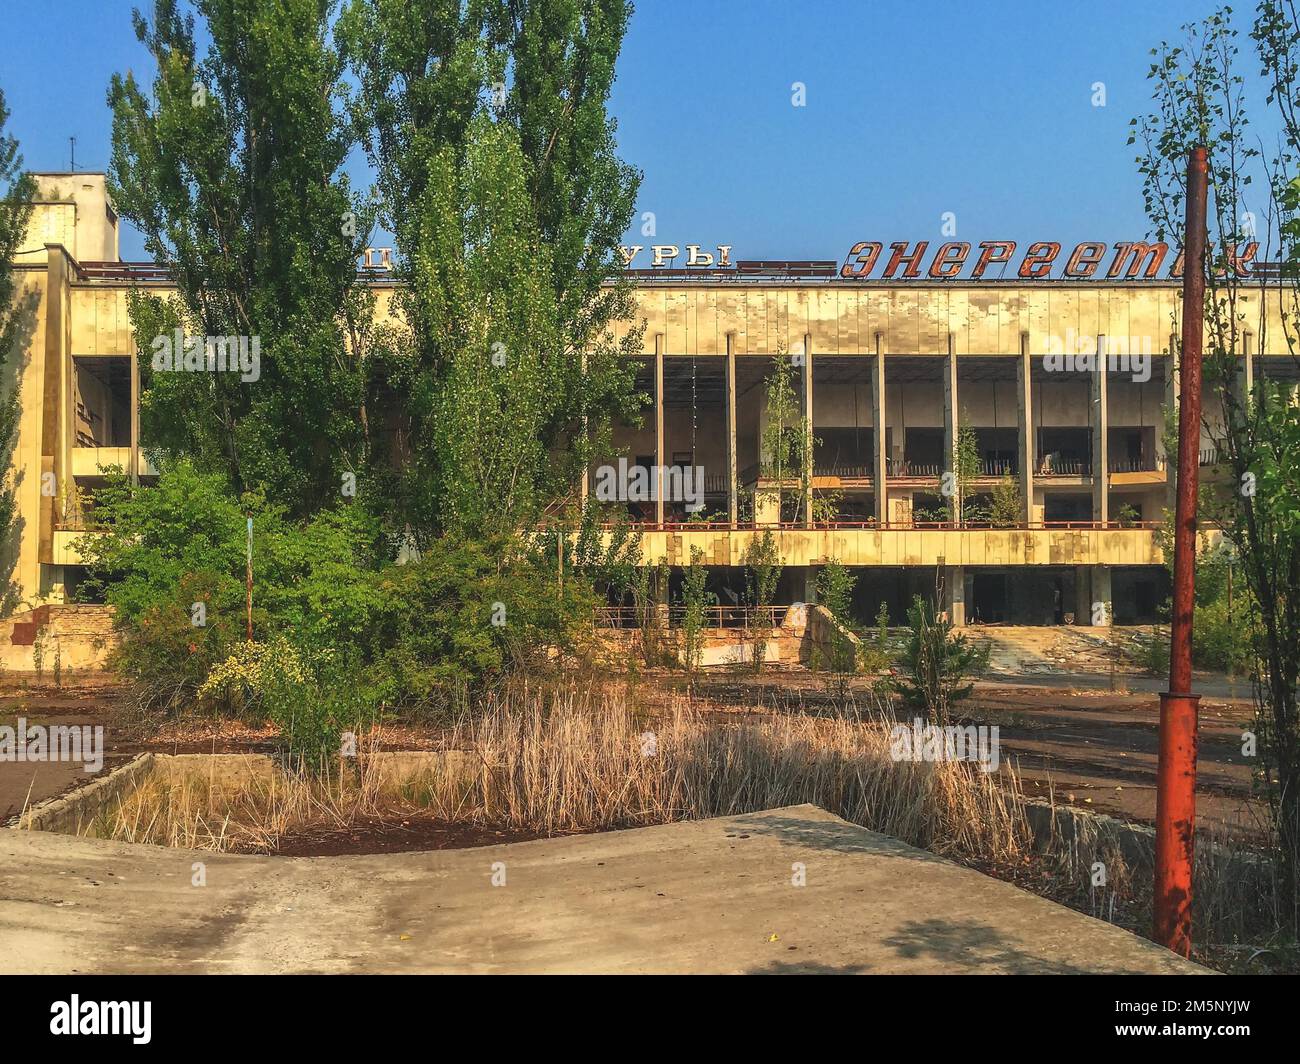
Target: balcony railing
(904,469)
(871,524)
(1134,465)
(847,472)
(1051,465)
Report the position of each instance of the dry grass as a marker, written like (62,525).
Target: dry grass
(580,760)
(248,816)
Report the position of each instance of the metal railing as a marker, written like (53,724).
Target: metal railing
(744,617)
(848,472)
(902,469)
(1134,465)
(1053,466)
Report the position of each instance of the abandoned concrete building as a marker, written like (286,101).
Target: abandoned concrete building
(893,376)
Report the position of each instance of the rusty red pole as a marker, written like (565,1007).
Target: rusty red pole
(250,579)
(1176,773)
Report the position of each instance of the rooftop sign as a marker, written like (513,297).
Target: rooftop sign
(1127,260)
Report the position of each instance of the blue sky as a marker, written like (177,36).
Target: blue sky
(913,109)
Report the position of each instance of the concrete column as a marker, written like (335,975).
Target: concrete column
(56,414)
(810,585)
(954,594)
(1171,407)
(951,425)
(1102,608)
(135,417)
(1082,594)
(767,506)
(1100,422)
(1025,429)
(659,429)
(1245,375)
(808,431)
(880,479)
(733,494)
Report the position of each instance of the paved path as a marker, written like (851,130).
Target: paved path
(708,896)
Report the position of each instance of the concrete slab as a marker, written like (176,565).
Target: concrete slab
(709,896)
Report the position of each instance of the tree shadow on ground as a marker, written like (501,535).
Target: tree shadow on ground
(970,949)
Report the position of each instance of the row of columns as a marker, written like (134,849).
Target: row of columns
(1098,422)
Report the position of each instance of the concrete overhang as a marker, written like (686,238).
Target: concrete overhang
(919,547)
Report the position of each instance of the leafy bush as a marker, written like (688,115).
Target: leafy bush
(171,560)
(835,586)
(424,633)
(1223,638)
(313,701)
(939,664)
(241,682)
(464,613)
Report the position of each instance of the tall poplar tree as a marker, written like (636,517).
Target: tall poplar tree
(498,175)
(231,164)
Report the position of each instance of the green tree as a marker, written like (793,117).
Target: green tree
(231,165)
(1004,508)
(649,592)
(487,125)
(696,600)
(961,507)
(16,192)
(784,445)
(835,587)
(762,561)
(939,664)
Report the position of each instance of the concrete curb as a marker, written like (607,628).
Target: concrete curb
(67,812)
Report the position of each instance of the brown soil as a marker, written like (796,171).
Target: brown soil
(384,835)
(82,699)
(1097,750)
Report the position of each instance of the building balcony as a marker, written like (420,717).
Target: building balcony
(62,551)
(1070,544)
(96,461)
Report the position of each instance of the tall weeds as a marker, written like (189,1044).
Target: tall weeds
(578,759)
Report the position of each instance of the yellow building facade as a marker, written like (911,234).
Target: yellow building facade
(888,374)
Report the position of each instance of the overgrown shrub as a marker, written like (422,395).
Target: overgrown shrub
(835,586)
(417,635)
(875,654)
(462,614)
(763,573)
(939,664)
(696,600)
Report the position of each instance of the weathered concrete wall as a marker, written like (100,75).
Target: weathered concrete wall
(824,636)
(82,636)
